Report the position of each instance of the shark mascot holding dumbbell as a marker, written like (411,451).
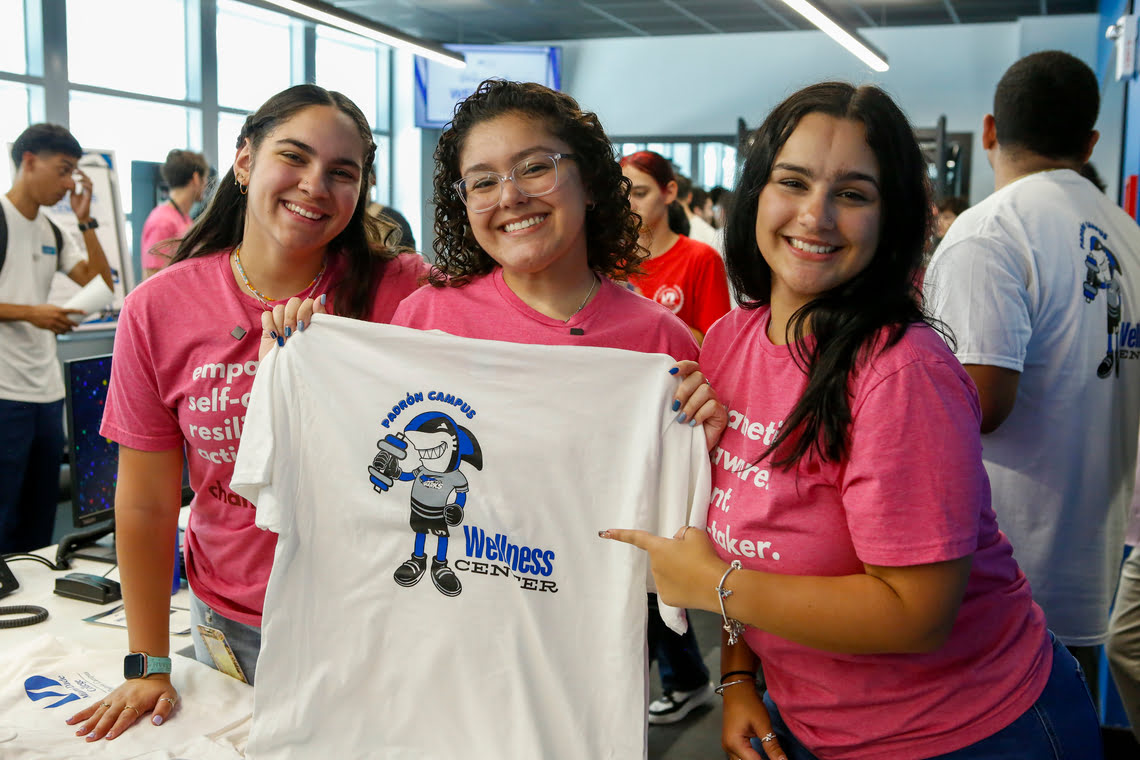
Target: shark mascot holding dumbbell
(429,453)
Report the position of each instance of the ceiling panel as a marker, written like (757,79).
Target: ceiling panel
(490,21)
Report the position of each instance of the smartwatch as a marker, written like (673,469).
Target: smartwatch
(139,665)
(90,224)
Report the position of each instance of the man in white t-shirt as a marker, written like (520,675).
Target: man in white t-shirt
(699,229)
(31,385)
(1040,284)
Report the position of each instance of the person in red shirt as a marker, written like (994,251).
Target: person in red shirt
(683,275)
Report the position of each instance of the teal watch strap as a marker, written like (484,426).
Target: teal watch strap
(157,665)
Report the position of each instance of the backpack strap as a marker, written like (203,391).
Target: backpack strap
(58,233)
(3,237)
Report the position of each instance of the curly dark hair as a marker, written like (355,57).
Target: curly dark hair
(611,226)
(361,242)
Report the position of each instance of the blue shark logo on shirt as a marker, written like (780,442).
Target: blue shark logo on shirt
(43,688)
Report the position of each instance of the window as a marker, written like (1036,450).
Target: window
(149,59)
(20,106)
(13,51)
(381,193)
(255,54)
(140,130)
(708,162)
(718,165)
(349,64)
(229,127)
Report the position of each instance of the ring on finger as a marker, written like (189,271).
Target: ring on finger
(768,737)
(105,704)
(132,707)
(171,700)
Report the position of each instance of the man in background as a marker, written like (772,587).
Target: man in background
(185,173)
(699,229)
(1040,284)
(31,384)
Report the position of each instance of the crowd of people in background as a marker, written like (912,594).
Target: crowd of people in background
(954,392)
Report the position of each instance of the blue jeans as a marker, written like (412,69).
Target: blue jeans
(31,449)
(678,656)
(1061,725)
(244,640)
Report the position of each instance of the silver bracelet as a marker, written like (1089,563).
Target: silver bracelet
(732,627)
(720,689)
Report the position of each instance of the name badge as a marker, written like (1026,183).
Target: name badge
(48,250)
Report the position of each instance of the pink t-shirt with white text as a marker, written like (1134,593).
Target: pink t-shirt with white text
(487,308)
(182,371)
(164,224)
(912,490)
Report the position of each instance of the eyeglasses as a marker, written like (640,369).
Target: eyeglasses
(534,177)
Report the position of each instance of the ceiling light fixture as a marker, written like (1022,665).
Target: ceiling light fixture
(858,47)
(350,22)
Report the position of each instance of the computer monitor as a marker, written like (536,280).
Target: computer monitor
(94,459)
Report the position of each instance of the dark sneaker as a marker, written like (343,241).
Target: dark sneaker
(444,578)
(1105,368)
(409,573)
(675,705)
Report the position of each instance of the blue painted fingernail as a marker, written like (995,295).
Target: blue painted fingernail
(676,405)
(273,334)
(323,297)
(280,341)
(674,371)
(681,417)
(156,720)
(300,325)
(692,423)
(91,735)
(288,331)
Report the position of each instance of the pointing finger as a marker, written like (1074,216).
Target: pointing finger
(639,538)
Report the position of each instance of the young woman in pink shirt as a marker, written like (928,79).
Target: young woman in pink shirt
(533,222)
(850,545)
(288,219)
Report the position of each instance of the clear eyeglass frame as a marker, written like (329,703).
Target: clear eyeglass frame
(461,185)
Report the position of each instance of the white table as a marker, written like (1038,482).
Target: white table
(65,616)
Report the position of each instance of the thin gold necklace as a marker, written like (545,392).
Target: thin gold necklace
(593,285)
(265,300)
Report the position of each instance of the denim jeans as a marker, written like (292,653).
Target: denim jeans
(31,449)
(678,656)
(1061,725)
(244,640)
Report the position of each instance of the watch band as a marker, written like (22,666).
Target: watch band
(141,665)
(90,224)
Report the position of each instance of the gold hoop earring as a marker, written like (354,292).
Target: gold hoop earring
(243,189)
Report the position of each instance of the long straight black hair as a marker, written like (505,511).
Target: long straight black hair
(848,321)
(361,242)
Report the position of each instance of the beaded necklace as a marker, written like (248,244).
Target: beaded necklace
(312,286)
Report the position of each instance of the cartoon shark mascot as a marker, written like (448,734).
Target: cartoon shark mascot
(438,446)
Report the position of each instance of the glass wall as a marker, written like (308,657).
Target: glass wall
(154,61)
(709,162)
(144,98)
(255,54)
(13,49)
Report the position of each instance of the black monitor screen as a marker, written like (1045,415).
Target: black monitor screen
(94,459)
